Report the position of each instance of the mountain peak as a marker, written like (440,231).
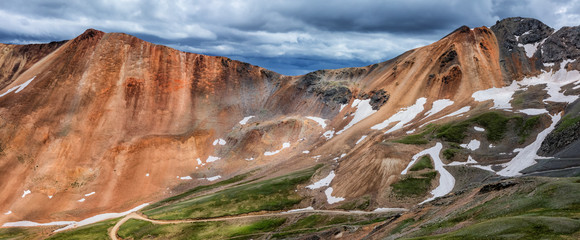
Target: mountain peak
(89,34)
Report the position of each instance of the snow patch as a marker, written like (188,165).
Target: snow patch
(8,213)
(325,182)
(530,48)
(342,155)
(147,175)
(284,145)
(533,111)
(81,200)
(410,131)
(320,121)
(329,134)
(501,96)
(364,109)
(472,145)
(361,139)
(219,141)
(99,218)
(458,112)
(554,82)
(438,105)
(301,209)
(198,161)
(470,160)
(245,120)
(389,209)
(526,156)
(402,117)
(446,180)
(186,178)
(26,192)
(89,194)
(211,179)
(330,198)
(479,129)
(342,106)
(250,159)
(50,197)
(306,152)
(18,88)
(34,224)
(212,159)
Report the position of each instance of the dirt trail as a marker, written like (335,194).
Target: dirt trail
(113,231)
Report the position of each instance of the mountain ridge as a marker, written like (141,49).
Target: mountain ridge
(106,112)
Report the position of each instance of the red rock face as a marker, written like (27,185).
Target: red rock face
(106,109)
(112,114)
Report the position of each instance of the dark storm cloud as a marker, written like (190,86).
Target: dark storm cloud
(291,37)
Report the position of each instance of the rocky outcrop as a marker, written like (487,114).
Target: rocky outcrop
(563,141)
(378,98)
(512,35)
(563,44)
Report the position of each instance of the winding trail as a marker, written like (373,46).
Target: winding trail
(115,229)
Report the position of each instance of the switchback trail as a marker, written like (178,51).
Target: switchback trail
(115,229)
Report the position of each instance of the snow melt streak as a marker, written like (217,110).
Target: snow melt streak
(402,117)
(364,109)
(320,121)
(325,182)
(446,180)
(526,156)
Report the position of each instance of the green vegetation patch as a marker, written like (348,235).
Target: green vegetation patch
(138,229)
(452,132)
(93,231)
(362,203)
(423,163)
(521,227)
(526,128)
(268,195)
(311,221)
(319,222)
(414,186)
(402,225)
(567,122)
(416,139)
(495,124)
(23,233)
(549,208)
(419,138)
(198,189)
(449,153)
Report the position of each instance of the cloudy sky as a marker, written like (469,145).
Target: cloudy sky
(291,37)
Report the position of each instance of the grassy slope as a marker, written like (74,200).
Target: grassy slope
(15,233)
(270,195)
(94,231)
(414,185)
(423,163)
(495,124)
(546,208)
(198,189)
(138,229)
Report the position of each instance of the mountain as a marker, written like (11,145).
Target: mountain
(106,122)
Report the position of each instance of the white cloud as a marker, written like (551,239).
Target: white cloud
(340,31)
